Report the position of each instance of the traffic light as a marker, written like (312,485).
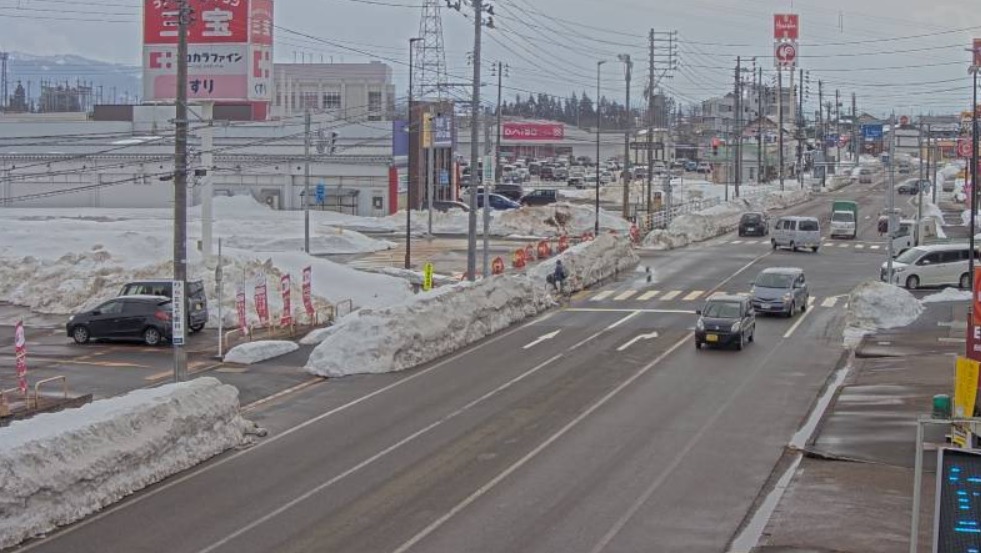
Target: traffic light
(333,143)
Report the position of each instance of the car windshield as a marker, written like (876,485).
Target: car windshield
(774,280)
(842,216)
(909,256)
(808,225)
(751,218)
(721,310)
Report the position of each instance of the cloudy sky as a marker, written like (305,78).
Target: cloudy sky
(907,55)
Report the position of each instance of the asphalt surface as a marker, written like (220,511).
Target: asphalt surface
(594,428)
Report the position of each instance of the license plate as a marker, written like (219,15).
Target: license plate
(711,338)
(767,306)
(751,229)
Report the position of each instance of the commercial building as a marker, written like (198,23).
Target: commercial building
(351,91)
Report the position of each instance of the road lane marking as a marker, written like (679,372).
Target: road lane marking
(636,339)
(540,339)
(648,295)
(631,315)
(284,393)
(539,319)
(694,295)
(810,301)
(874,247)
(734,242)
(436,524)
(166,485)
(843,245)
(602,295)
(671,295)
(859,246)
(626,310)
(829,302)
(800,319)
(626,295)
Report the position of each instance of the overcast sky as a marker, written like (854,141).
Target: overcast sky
(549,50)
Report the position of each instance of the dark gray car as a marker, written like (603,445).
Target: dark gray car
(197,300)
(725,320)
(780,290)
(143,318)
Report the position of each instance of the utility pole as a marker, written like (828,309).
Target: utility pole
(478,23)
(780,124)
(738,124)
(649,174)
(180,190)
(759,125)
(919,184)
(855,146)
(837,128)
(413,177)
(821,132)
(497,171)
(891,199)
(306,180)
(932,177)
(599,126)
(207,188)
(627,179)
(801,132)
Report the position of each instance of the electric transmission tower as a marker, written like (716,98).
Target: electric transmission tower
(430,79)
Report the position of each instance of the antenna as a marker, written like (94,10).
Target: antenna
(430,79)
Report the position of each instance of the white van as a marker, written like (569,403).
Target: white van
(934,265)
(796,233)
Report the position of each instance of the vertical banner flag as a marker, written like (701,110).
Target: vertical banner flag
(240,308)
(261,299)
(307,297)
(965,387)
(20,354)
(284,286)
(976,300)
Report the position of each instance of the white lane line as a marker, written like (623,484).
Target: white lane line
(636,339)
(631,315)
(874,247)
(436,524)
(671,295)
(626,310)
(271,440)
(694,295)
(829,302)
(540,339)
(800,319)
(810,301)
(539,320)
(648,295)
(602,295)
(284,393)
(859,246)
(626,295)
(313,491)
(734,242)
(843,245)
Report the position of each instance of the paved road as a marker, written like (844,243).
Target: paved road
(594,428)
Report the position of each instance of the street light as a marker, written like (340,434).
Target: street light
(408,189)
(627,180)
(974,170)
(599,64)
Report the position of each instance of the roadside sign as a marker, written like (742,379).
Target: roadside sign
(20,356)
(444,177)
(243,323)
(785,54)
(965,387)
(786,26)
(261,299)
(957,525)
(427,277)
(973,340)
(321,193)
(284,285)
(872,132)
(307,296)
(964,147)
(177,320)
(976,300)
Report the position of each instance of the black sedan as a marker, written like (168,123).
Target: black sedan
(725,320)
(753,224)
(143,318)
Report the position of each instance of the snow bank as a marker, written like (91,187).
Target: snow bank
(58,468)
(948,294)
(257,352)
(440,322)
(539,221)
(876,305)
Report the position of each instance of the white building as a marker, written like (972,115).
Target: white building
(353,91)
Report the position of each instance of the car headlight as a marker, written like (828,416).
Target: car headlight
(898,269)
(735,327)
(788,296)
(71,318)
(700,325)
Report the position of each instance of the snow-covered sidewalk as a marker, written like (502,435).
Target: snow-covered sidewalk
(875,305)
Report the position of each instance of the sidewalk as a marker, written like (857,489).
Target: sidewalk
(852,492)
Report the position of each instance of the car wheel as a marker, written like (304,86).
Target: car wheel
(803,307)
(80,334)
(197,327)
(741,343)
(913,282)
(698,345)
(151,336)
(773,244)
(965,281)
(752,335)
(814,249)
(793,247)
(793,309)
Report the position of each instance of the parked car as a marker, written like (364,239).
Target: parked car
(948,185)
(546,173)
(447,206)
(796,233)
(576,182)
(725,320)
(780,290)
(753,223)
(560,174)
(865,176)
(541,197)
(197,299)
(659,168)
(145,318)
(704,167)
(511,191)
(691,166)
(933,265)
(497,202)
(606,177)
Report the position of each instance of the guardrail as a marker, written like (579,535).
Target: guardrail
(37,388)
(4,405)
(338,312)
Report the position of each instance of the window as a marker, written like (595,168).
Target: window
(953,256)
(111,307)
(378,202)
(809,226)
(374,101)
(308,100)
(930,259)
(332,100)
(722,310)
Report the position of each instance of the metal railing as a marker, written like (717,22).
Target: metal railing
(37,388)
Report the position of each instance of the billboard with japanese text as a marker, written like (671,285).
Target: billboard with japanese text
(533,131)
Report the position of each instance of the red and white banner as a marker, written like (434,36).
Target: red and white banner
(533,131)
(786,26)
(20,355)
(212,21)
(976,300)
(785,54)
(243,323)
(307,295)
(964,147)
(262,300)
(261,22)
(284,285)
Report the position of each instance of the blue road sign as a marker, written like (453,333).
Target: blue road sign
(321,193)
(831,139)
(444,177)
(872,132)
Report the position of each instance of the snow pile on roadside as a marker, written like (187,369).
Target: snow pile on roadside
(257,352)
(449,318)
(932,211)
(948,295)
(876,305)
(540,221)
(60,467)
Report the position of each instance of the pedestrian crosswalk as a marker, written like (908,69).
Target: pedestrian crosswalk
(826,244)
(633,296)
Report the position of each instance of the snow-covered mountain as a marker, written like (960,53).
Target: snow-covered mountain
(108,80)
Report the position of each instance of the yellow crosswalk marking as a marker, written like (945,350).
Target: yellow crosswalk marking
(671,295)
(602,295)
(694,295)
(626,295)
(648,295)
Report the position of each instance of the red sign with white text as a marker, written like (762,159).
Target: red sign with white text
(243,323)
(261,22)
(262,300)
(786,26)
(976,300)
(212,21)
(976,46)
(284,285)
(20,356)
(533,131)
(307,295)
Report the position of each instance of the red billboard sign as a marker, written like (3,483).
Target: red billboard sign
(212,21)
(976,300)
(785,55)
(243,323)
(533,131)
(964,147)
(261,22)
(786,26)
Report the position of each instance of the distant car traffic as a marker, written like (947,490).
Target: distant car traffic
(497,202)
(780,290)
(447,206)
(753,223)
(865,176)
(143,318)
(725,320)
(576,182)
(541,197)
(704,167)
(912,186)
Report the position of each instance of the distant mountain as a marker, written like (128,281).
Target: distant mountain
(108,80)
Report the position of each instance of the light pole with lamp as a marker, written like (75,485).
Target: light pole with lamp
(627,180)
(599,119)
(408,189)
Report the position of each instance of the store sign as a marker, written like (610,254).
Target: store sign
(533,131)
(957,526)
(786,26)
(284,285)
(213,21)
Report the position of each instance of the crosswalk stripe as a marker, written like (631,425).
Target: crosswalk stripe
(694,295)
(829,302)
(859,247)
(810,301)
(625,295)
(648,295)
(736,242)
(873,247)
(671,295)
(602,295)
(844,245)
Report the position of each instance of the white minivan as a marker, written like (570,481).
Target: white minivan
(933,265)
(796,233)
